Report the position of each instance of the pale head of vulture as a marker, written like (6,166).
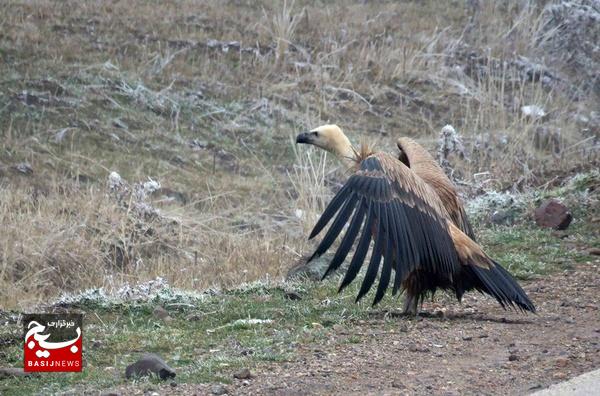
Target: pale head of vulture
(332,139)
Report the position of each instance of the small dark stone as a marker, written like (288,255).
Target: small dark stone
(467,338)
(512,358)
(150,363)
(242,374)
(292,295)
(173,384)
(97,344)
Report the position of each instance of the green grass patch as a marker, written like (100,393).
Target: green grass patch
(528,251)
(204,341)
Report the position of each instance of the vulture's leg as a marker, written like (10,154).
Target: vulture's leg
(411,303)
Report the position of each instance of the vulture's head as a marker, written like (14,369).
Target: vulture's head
(327,137)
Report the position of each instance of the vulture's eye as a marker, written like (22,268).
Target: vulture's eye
(315,133)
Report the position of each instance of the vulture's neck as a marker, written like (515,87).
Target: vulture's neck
(346,154)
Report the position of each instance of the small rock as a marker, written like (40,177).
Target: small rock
(501,217)
(243,374)
(561,362)
(467,338)
(560,376)
(23,168)
(197,145)
(397,384)
(512,358)
(160,313)
(194,317)
(118,123)
(415,348)
(553,214)
(245,383)
(150,363)
(313,270)
(173,384)
(292,295)
(218,389)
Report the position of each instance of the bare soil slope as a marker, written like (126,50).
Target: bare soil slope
(475,349)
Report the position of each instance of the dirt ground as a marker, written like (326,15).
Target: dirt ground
(473,348)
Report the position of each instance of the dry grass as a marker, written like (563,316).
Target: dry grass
(204,97)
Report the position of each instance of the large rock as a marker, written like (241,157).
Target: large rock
(149,364)
(553,214)
(309,271)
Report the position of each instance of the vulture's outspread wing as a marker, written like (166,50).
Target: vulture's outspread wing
(386,202)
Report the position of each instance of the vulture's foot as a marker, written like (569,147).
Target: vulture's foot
(410,305)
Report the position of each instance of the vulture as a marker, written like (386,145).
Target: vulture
(408,209)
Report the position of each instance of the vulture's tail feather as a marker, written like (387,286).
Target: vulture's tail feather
(500,284)
(487,275)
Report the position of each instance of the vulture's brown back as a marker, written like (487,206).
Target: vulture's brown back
(427,168)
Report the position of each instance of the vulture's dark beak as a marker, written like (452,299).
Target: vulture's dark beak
(303,138)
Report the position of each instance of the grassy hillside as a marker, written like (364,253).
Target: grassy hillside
(205,97)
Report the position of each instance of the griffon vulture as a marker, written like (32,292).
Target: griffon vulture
(409,208)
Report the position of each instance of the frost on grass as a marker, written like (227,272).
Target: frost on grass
(156,291)
(533,112)
(577,191)
(481,208)
(450,143)
(241,323)
(136,195)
